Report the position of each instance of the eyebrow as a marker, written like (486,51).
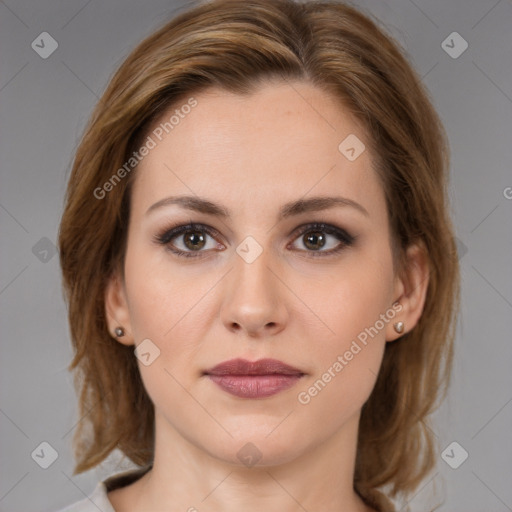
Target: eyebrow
(290,209)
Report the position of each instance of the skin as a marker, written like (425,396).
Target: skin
(252,154)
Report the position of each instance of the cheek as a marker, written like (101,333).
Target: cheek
(162,310)
(357,308)
(169,307)
(159,296)
(352,297)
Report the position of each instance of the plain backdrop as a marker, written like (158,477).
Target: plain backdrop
(44,104)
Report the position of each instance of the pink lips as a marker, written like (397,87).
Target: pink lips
(258,379)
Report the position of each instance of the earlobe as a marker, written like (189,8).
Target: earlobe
(410,292)
(116,309)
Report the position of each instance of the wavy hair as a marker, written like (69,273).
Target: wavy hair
(237,44)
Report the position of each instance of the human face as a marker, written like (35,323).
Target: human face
(301,295)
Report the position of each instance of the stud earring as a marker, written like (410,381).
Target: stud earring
(399,327)
(119,332)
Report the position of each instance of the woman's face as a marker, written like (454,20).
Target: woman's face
(261,280)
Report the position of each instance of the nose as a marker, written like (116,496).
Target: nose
(254,302)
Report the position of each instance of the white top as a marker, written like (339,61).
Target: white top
(98,500)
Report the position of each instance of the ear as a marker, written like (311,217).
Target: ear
(116,309)
(410,291)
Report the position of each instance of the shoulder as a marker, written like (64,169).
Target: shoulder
(97,500)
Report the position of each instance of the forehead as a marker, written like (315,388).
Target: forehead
(282,141)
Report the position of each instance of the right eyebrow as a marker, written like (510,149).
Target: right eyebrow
(195,203)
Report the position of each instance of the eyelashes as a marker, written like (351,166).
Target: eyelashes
(196,236)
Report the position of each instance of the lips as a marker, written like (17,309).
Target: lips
(257,379)
(261,367)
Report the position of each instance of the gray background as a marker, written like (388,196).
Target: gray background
(44,104)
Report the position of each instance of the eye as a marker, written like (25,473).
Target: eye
(191,239)
(322,239)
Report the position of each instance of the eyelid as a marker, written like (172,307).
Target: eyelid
(178,229)
(322,226)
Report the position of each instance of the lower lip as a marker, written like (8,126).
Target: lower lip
(255,386)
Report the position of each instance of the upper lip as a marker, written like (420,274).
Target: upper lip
(260,367)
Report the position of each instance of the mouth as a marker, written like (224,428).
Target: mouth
(258,379)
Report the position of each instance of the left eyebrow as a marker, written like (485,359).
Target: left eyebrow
(290,209)
(318,203)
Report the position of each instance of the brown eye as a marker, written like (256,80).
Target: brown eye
(320,239)
(314,240)
(194,240)
(190,240)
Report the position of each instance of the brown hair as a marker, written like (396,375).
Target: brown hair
(236,44)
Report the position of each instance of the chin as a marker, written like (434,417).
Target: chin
(256,445)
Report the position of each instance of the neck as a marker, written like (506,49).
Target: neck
(187,477)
